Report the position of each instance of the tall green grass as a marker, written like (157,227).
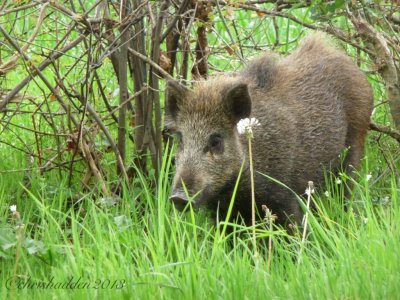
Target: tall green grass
(148,250)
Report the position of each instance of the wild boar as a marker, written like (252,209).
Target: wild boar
(311,106)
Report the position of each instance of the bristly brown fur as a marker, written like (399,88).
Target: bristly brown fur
(312,105)
(206,94)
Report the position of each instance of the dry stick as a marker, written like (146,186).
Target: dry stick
(93,167)
(151,63)
(79,18)
(385,129)
(37,141)
(23,7)
(9,65)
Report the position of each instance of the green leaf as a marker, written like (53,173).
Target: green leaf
(122,222)
(8,239)
(33,246)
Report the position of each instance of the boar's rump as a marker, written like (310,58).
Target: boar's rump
(311,105)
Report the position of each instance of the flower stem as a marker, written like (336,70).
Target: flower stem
(253,199)
(310,188)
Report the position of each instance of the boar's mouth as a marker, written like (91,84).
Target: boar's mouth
(179,199)
(203,197)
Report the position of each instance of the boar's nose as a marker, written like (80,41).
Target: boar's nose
(179,199)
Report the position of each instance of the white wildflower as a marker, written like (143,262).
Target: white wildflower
(13,208)
(365,220)
(338,181)
(309,192)
(244,126)
(369,176)
(326,193)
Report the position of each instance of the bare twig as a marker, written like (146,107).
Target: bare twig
(16,9)
(151,63)
(385,129)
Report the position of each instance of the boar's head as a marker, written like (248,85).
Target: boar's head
(209,153)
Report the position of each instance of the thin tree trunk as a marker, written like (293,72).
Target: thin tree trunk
(123,89)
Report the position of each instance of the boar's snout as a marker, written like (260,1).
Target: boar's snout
(179,199)
(186,180)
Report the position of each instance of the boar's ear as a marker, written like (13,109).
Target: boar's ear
(238,101)
(175,95)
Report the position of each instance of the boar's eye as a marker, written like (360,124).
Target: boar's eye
(215,144)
